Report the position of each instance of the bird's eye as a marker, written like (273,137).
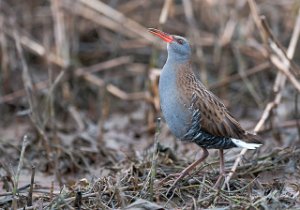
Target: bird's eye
(180,41)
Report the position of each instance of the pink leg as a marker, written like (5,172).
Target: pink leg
(193,165)
(222,169)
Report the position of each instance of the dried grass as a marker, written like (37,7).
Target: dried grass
(79,83)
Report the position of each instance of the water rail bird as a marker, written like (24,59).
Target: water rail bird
(191,111)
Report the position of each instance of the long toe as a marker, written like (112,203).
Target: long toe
(219,182)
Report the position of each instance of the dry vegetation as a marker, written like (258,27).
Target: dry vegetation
(79,102)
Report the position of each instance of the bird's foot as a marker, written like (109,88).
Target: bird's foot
(179,177)
(173,186)
(218,183)
(170,191)
(221,182)
(189,168)
(164,180)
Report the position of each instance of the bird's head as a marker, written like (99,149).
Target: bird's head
(178,46)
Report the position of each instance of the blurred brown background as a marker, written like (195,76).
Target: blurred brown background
(79,78)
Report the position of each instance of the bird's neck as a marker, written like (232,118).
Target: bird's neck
(173,75)
(170,72)
(176,67)
(178,58)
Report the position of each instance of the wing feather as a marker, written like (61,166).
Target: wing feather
(215,118)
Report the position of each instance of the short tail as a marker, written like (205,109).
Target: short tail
(242,144)
(252,141)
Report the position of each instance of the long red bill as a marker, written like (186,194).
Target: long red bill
(164,36)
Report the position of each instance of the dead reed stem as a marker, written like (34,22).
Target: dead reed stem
(153,169)
(17,175)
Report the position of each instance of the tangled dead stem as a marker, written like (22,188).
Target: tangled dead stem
(79,101)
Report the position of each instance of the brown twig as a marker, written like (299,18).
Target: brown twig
(278,55)
(29,198)
(78,200)
(17,175)
(118,17)
(114,90)
(36,48)
(297,113)
(153,171)
(84,72)
(236,77)
(165,11)
(61,39)
(28,86)
(112,63)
